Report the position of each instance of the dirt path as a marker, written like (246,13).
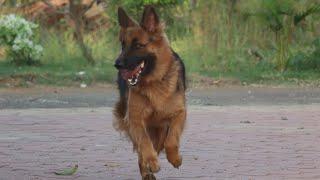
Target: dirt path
(102,96)
(229,142)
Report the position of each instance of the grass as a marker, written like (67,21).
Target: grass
(62,62)
(238,65)
(59,74)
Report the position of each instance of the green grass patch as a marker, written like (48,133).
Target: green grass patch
(69,73)
(63,64)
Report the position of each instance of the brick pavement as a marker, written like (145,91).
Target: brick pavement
(228,142)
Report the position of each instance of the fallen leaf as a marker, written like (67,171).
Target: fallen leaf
(246,122)
(68,171)
(112,165)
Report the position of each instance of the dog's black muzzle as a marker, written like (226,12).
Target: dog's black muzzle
(129,63)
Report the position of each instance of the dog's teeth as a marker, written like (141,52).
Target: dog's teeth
(140,71)
(133,82)
(142,65)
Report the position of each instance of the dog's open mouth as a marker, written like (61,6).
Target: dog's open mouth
(132,76)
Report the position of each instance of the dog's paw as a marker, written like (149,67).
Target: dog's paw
(175,160)
(149,177)
(153,165)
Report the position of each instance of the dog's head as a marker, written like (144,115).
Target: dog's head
(141,45)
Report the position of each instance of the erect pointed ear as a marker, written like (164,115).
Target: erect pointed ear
(124,20)
(150,19)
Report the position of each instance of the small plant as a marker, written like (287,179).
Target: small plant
(309,60)
(17,34)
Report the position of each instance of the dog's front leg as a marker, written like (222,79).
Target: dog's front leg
(172,141)
(148,157)
(145,172)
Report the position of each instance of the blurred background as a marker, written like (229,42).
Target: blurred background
(75,42)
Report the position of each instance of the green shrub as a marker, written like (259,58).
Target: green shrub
(17,34)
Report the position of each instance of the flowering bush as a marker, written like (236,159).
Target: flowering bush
(17,34)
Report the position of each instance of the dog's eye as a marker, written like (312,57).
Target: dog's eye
(139,46)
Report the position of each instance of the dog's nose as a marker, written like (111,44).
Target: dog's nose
(119,64)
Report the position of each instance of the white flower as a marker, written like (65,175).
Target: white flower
(80,73)
(38,48)
(15,47)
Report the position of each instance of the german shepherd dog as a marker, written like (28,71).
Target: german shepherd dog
(151,110)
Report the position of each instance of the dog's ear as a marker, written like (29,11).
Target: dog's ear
(150,19)
(124,20)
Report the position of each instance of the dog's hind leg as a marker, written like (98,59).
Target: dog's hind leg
(172,141)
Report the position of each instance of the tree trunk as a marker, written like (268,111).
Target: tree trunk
(231,8)
(193,3)
(76,14)
(79,39)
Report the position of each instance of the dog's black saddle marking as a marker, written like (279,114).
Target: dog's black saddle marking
(182,73)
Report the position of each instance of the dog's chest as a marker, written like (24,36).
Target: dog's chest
(163,108)
(157,97)
(157,101)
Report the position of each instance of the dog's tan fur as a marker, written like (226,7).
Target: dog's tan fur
(153,112)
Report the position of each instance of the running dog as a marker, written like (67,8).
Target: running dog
(151,109)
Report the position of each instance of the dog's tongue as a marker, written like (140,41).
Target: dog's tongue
(126,74)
